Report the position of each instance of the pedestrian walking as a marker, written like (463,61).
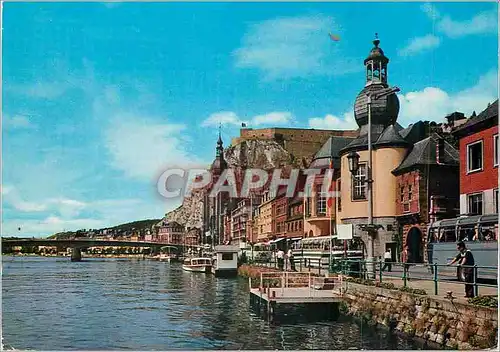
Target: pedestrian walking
(291,260)
(465,261)
(387,260)
(280,256)
(406,261)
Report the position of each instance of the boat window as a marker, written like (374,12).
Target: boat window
(227,256)
(467,234)
(489,232)
(447,235)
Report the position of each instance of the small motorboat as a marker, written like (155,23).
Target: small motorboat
(166,257)
(197,264)
(167,254)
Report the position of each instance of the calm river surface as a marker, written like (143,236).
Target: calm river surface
(54,304)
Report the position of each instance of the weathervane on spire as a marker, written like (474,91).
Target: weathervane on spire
(376,41)
(219,140)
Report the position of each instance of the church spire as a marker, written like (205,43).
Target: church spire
(220,148)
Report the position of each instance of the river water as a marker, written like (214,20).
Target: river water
(56,304)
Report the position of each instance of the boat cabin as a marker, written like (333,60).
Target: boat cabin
(225,262)
(197,261)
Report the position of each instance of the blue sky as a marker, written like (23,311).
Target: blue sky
(99,99)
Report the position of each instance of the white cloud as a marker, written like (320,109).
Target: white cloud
(481,23)
(485,22)
(222,117)
(430,10)
(294,47)
(63,206)
(432,103)
(231,118)
(143,148)
(47,216)
(16,122)
(419,44)
(276,118)
(47,226)
(332,122)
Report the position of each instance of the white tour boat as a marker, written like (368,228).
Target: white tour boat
(197,264)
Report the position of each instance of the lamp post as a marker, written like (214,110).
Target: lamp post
(353,159)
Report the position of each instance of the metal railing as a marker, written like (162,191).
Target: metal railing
(314,265)
(434,272)
(275,284)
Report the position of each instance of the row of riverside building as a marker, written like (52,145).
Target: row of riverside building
(422,173)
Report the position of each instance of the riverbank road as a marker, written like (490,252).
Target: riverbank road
(456,287)
(420,277)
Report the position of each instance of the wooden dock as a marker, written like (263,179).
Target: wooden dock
(287,288)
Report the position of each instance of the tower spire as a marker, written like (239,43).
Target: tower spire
(376,64)
(220,148)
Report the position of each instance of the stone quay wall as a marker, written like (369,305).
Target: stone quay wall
(438,321)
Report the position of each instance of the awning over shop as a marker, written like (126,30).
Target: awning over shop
(276,240)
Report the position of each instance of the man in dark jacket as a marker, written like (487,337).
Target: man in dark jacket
(465,261)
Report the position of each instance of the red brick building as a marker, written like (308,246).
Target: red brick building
(192,237)
(294,223)
(170,233)
(279,213)
(479,162)
(427,190)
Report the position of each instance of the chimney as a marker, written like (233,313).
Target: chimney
(440,151)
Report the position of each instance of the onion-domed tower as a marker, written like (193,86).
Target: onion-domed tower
(384,111)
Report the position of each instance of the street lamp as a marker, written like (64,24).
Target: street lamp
(353,159)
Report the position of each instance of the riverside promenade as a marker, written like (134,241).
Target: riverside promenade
(419,278)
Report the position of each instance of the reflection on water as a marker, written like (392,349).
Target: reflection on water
(56,304)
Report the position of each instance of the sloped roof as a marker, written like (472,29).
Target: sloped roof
(490,112)
(330,149)
(390,136)
(415,132)
(424,153)
(361,141)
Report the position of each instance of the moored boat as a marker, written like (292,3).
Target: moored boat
(165,257)
(197,264)
(225,262)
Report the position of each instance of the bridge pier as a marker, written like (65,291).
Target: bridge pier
(76,254)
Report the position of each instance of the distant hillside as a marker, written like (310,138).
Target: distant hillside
(139,225)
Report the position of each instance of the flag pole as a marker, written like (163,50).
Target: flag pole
(330,214)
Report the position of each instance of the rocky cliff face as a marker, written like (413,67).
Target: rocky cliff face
(259,154)
(189,213)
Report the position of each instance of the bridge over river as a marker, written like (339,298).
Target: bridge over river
(78,243)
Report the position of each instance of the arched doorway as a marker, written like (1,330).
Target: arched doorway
(311,233)
(414,243)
